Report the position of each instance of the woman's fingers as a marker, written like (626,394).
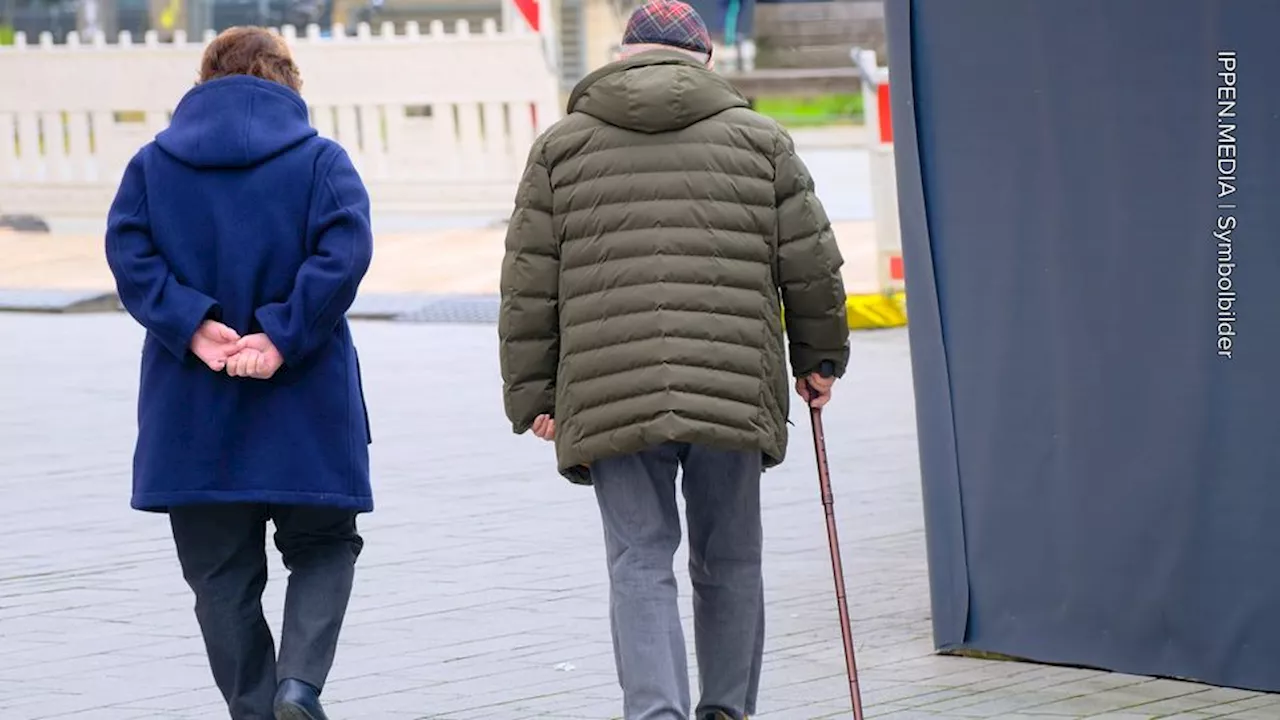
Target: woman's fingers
(235,365)
(242,364)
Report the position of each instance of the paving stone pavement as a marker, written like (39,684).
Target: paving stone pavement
(481,592)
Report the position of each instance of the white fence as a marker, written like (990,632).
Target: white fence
(435,122)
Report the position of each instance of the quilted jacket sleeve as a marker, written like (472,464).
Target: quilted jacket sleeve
(529,321)
(809,262)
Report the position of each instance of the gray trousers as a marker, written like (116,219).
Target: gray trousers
(637,497)
(222,549)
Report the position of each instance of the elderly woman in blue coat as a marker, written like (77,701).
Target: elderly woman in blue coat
(237,240)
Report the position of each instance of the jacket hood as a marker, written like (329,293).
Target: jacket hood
(235,122)
(654,92)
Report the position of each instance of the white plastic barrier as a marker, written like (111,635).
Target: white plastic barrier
(435,123)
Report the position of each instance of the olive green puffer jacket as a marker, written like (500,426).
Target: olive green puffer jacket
(657,228)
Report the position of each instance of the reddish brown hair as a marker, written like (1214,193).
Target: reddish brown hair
(250,51)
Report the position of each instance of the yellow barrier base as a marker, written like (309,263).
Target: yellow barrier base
(874,311)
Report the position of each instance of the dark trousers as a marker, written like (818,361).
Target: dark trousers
(222,549)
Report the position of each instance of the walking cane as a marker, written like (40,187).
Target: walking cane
(833,539)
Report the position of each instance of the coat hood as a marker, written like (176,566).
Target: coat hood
(235,122)
(654,92)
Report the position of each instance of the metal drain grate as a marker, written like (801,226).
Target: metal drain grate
(481,310)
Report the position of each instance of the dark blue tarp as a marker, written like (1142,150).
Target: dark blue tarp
(1101,482)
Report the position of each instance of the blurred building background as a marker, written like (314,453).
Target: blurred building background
(437,101)
(778,33)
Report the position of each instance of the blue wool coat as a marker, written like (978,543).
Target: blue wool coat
(239,212)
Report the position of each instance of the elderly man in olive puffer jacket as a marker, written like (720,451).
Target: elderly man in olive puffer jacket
(661,231)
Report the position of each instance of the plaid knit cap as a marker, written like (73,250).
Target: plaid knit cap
(668,22)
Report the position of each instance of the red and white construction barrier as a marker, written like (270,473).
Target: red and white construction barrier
(522,16)
(884,180)
(529,11)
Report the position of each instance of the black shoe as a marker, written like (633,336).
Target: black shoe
(296,700)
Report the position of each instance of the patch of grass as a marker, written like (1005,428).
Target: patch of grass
(6,34)
(834,109)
